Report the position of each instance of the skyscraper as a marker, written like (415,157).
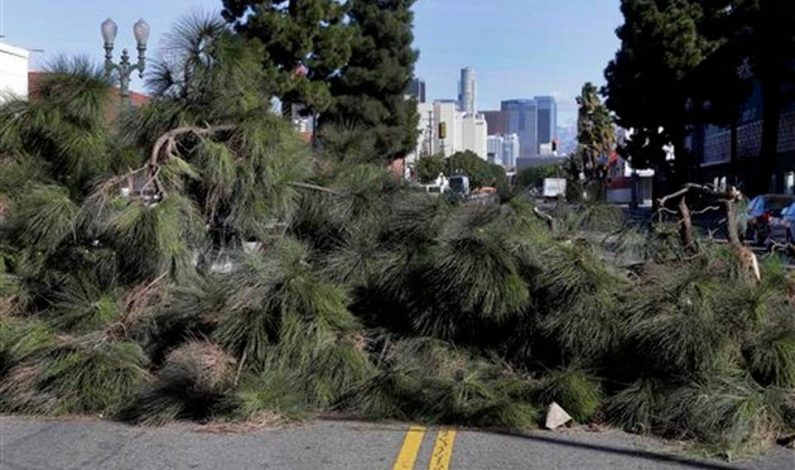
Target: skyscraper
(467,91)
(503,149)
(417,90)
(547,121)
(535,121)
(522,121)
(497,121)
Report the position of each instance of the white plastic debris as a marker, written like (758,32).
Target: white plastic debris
(556,416)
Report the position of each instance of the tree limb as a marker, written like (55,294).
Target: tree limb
(550,221)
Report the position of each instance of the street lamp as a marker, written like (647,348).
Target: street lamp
(125,69)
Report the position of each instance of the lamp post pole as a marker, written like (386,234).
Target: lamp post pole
(125,68)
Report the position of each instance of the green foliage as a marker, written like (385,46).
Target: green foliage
(85,374)
(190,385)
(771,354)
(429,167)
(268,392)
(584,318)
(65,128)
(648,94)
(595,131)
(480,172)
(430,381)
(80,306)
(151,238)
(638,407)
(533,177)
(234,276)
(21,340)
(370,90)
(577,391)
(313,34)
(728,412)
(44,216)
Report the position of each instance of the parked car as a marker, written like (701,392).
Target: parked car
(782,227)
(761,212)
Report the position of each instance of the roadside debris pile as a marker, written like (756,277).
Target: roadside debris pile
(235,272)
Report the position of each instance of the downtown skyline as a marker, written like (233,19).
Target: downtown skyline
(519,48)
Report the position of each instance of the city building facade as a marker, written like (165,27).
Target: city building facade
(467,91)
(535,121)
(497,122)
(711,144)
(416,90)
(503,149)
(446,130)
(546,122)
(522,121)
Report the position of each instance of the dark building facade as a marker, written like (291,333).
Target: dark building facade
(417,90)
(497,122)
(711,145)
(547,120)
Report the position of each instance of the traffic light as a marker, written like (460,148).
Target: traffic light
(442,130)
(554,145)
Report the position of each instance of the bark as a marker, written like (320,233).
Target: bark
(548,219)
(685,226)
(732,224)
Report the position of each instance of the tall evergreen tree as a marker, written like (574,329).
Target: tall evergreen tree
(306,43)
(661,42)
(764,35)
(370,91)
(595,132)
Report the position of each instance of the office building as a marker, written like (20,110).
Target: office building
(462,131)
(13,72)
(416,90)
(546,121)
(522,121)
(535,121)
(467,91)
(494,149)
(511,149)
(503,149)
(497,122)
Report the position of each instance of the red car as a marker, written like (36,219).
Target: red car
(761,210)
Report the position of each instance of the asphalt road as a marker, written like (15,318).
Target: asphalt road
(27,444)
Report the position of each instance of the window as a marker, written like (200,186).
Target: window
(789,183)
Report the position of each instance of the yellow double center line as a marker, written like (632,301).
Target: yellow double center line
(442,449)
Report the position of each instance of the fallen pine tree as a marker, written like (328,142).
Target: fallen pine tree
(198,261)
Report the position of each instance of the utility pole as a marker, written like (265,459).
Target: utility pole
(429,131)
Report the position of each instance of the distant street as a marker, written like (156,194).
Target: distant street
(27,444)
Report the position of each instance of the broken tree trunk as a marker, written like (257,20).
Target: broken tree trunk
(686,226)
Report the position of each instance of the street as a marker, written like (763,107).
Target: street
(30,444)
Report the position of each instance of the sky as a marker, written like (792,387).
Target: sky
(518,48)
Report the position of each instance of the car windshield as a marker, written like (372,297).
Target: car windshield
(777,203)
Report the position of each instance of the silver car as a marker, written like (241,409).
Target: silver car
(782,227)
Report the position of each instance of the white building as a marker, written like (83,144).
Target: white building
(13,72)
(503,149)
(462,131)
(494,149)
(511,150)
